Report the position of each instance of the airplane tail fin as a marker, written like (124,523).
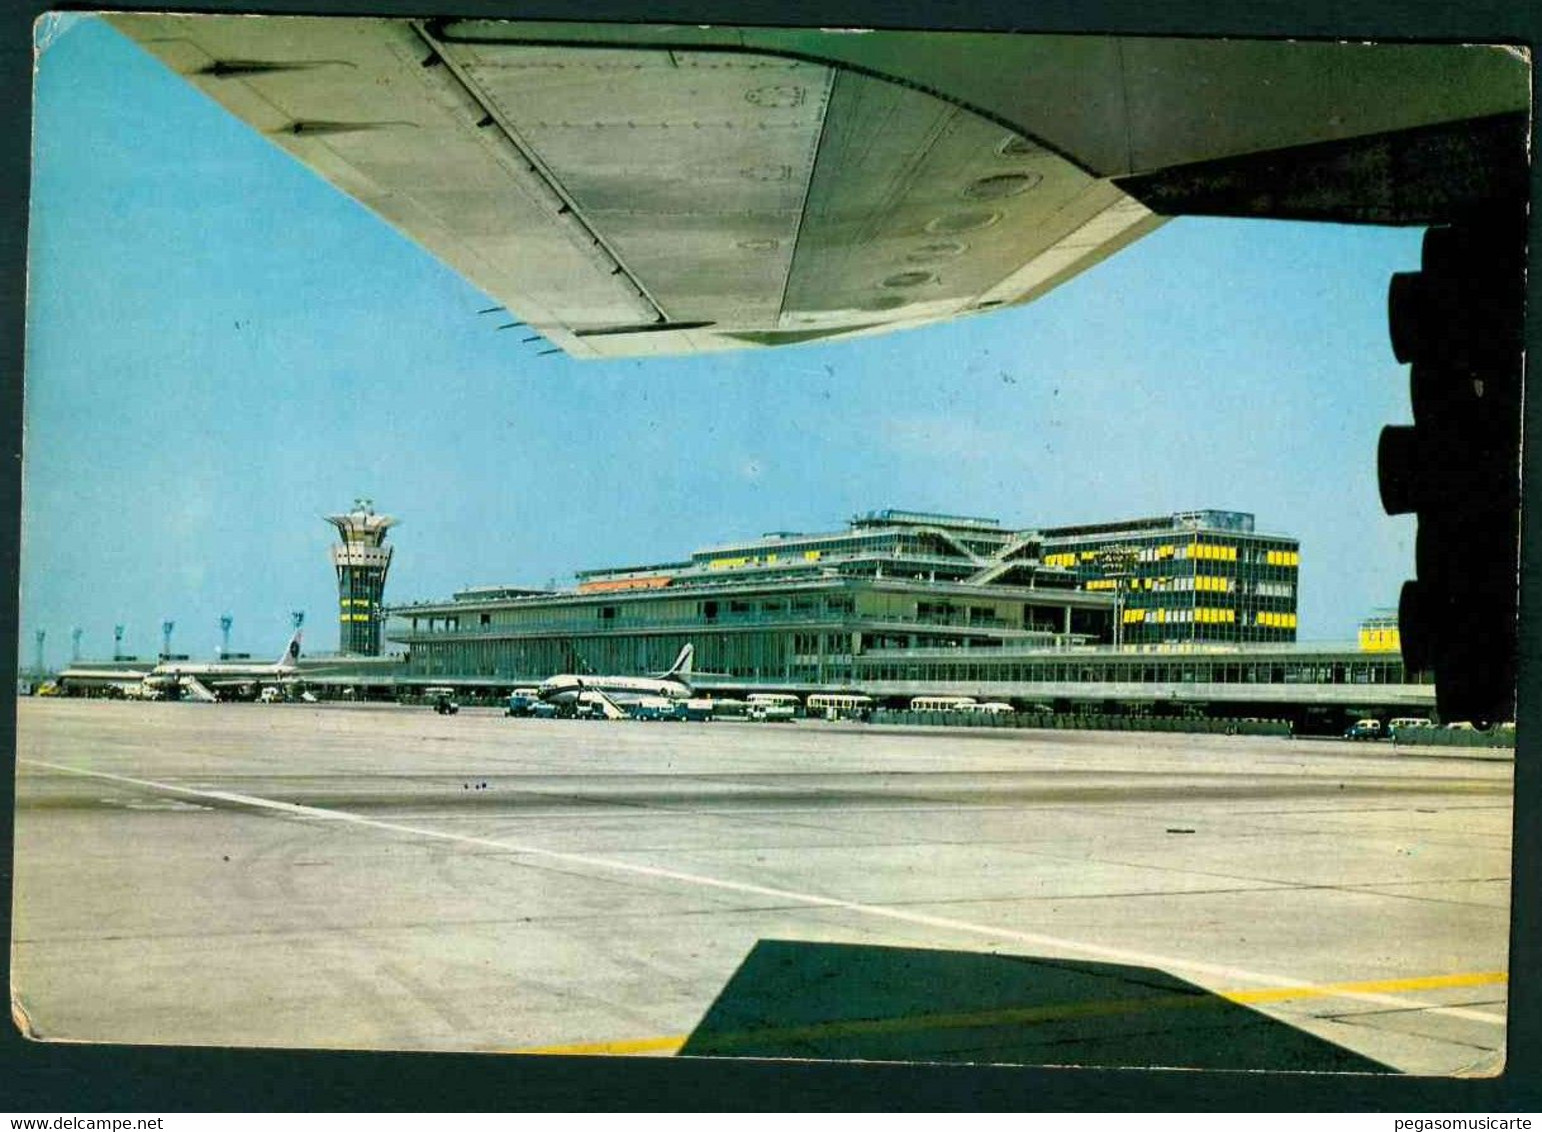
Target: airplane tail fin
(681,668)
(291,654)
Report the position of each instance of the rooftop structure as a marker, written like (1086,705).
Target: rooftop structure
(918,545)
(1379,632)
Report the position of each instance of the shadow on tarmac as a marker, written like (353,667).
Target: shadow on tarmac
(854,1002)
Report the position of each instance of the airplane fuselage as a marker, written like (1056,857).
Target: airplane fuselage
(171,673)
(566,687)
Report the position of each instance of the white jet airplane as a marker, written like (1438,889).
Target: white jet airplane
(618,694)
(207,680)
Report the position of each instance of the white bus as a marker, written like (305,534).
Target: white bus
(993,707)
(772,707)
(840,705)
(777,699)
(942,703)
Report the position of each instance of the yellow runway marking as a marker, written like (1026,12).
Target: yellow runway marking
(611,1049)
(670,1045)
(1383,986)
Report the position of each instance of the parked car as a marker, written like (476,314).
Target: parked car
(1364,729)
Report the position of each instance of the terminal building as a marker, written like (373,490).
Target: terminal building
(1190,576)
(909,603)
(809,609)
(787,610)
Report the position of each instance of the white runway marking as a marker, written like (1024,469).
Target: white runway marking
(1227,975)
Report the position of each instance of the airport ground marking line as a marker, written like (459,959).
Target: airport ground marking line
(1008,1016)
(946,923)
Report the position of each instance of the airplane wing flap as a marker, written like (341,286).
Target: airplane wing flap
(692,168)
(921,207)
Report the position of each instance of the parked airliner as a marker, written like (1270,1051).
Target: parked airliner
(616,694)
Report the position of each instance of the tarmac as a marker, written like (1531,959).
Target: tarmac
(381,877)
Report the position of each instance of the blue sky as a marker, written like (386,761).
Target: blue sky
(222,349)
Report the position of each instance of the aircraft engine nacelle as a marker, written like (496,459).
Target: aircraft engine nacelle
(1459,322)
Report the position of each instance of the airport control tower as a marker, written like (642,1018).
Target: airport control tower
(362,560)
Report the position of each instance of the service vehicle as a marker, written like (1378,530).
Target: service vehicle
(765,712)
(520,701)
(657,708)
(443,700)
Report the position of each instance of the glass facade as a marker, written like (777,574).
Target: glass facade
(1192,576)
(800,632)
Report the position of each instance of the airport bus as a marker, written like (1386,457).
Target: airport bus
(772,707)
(942,703)
(992,707)
(840,706)
(778,699)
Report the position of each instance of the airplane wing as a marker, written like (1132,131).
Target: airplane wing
(85,674)
(634,190)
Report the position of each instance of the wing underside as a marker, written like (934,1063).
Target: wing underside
(628,190)
(636,200)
